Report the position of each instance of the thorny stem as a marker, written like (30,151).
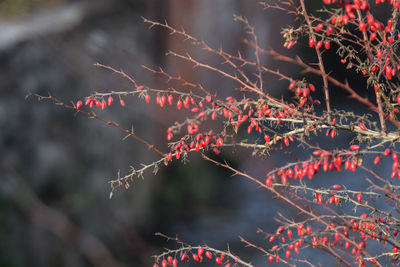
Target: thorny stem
(320,62)
(95,116)
(249,244)
(370,58)
(120,72)
(256,53)
(186,247)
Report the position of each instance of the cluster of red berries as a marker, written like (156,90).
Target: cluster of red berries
(200,141)
(329,162)
(198,257)
(236,112)
(91,102)
(368,228)
(309,168)
(303,93)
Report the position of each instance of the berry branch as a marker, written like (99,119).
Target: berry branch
(355,223)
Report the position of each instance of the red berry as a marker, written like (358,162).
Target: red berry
(195,257)
(290,44)
(327,45)
(318,45)
(330,29)
(317,152)
(289,233)
(170,98)
(268,181)
(184,257)
(209,255)
(292,85)
(122,102)
(308,230)
(271,258)
(319,27)
(179,104)
(218,261)
(286,141)
(336,186)
(200,251)
(333,133)
(359,198)
(79,104)
(140,87)
(98,103)
(354,147)
(287,253)
(311,42)
(363,26)
(395,165)
(110,100)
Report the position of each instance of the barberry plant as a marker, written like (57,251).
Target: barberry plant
(350,223)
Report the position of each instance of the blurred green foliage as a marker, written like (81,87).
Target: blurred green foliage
(18,8)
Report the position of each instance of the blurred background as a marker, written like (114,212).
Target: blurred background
(55,167)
